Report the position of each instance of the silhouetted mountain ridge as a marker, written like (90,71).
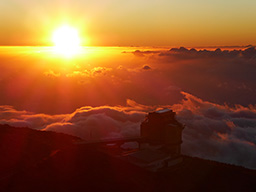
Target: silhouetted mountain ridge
(34,160)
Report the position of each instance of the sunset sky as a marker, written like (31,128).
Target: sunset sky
(133,22)
(196,57)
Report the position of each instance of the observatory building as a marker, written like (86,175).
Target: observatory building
(160,142)
(157,147)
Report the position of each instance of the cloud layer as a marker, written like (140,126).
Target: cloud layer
(218,132)
(213,131)
(219,76)
(212,91)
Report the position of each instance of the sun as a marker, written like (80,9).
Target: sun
(66,40)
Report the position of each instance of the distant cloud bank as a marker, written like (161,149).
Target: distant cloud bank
(184,53)
(213,131)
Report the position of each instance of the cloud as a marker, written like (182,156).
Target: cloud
(16,118)
(219,76)
(218,132)
(142,53)
(146,67)
(90,123)
(184,53)
(213,131)
(96,71)
(219,112)
(93,123)
(51,73)
(8,112)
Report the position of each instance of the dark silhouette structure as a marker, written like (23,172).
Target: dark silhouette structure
(160,142)
(158,146)
(162,128)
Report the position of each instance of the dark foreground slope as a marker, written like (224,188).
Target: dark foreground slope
(46,161)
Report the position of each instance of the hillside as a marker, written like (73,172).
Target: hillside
(46,161)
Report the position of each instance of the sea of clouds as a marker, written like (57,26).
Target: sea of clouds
(212,92)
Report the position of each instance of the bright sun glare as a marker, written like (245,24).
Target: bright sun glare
(66,41)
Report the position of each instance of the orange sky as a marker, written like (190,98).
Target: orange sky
(125,23)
